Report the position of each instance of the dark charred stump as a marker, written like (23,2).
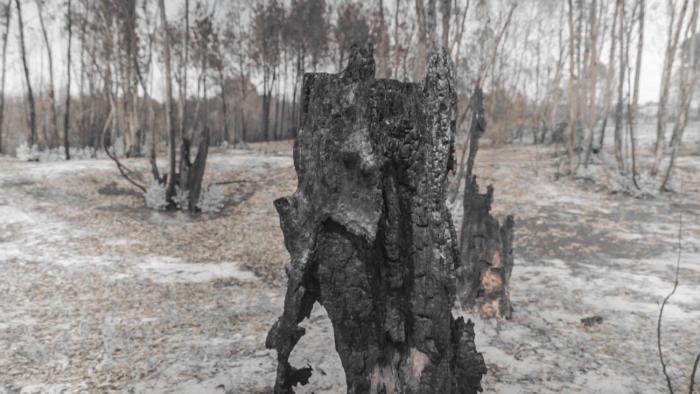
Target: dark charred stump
(486,255)
(370,236)
(191,174)
(486,247)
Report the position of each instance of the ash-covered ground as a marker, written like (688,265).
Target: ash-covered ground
(100,294)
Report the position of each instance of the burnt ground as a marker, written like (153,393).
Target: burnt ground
(99,294)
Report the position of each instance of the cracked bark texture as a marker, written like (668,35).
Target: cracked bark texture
(370,236)
(486,255)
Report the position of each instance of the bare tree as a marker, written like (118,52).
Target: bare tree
(686,86)
(52,91)
(633,109)
(30,94)
(6,18)
(619,157)
(66,115)
(669,59)
(610,77)
(169,108)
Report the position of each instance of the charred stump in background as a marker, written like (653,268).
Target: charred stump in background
(486,247)
(370,236)
(486,255)
(191,174)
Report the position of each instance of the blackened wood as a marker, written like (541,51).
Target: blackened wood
(486,255)
(370,236)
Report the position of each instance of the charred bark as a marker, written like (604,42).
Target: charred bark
(370,236)
(486,255)
(486,247)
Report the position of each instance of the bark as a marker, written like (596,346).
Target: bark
(66,115)
(30,94)
(370,236)
(5,38)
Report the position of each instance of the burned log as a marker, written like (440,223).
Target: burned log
(370,236)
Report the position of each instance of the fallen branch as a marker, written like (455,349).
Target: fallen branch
(124,170)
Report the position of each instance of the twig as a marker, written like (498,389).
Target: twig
(663,304)
(692,374)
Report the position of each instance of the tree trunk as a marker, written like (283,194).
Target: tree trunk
(182,105)
(370,235)
(169,109)
(224,107)
(669,58)
(30,94)
(610,80)
(687,81)
(633,110)
(573,92)
(5,39)
(619,157)
(52,91)
(426,20)
(66,115)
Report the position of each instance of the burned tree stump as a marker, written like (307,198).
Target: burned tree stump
(486,247)
(370,236)
(486,255)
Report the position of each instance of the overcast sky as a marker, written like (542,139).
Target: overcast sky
(655,36)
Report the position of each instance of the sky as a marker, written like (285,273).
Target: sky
(652,64)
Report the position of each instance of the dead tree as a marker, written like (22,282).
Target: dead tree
(30,93)
(66,115)
(486,247)
(7,17)
(370,236)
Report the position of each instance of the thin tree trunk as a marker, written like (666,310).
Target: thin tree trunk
(5,39)
(446,10)
(573,96)
(610,79)
(633,110)
(222,80)
(687,81)
(182,107)
(593,74)
(52,90)
(669,59)
(30,93)
(619,157)
(170,110)
(66,115)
